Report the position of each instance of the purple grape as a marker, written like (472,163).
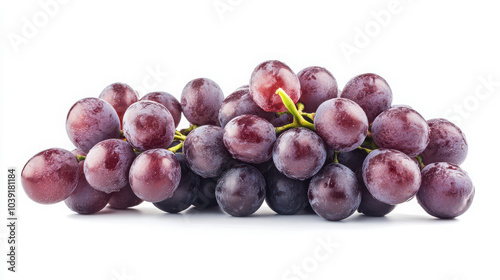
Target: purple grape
(205,194)
(282,120)
(90,121)
(353,159)
(402,129)
(334,193)
(317,85)
(285,196)
(50,176)
(267,78)
(446,191)
(264,167)
(369,205)
(341,123)
(391,176)
(85,199)
(155,175)
(148,125)
(107,165)
(447,143)
(240,103)
(299,153)
(241,190)
(201,100)
(371,92)
(205,152)
(120,96)
(184,195)
(167,100)
(124,198)
(249,138)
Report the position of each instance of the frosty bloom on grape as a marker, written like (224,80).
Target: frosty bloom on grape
(121,274)
(31,26)
(222,7)
(153,79)
(325,248)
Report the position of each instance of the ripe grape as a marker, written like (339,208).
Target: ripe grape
(205,152)
(90,121)
(447,143)
(240,103)
(353,159)
(267,78)
(107,165)
(391,176)
(369,205)
(167,100)
(155,175)
(120,96)
(184,195)
(85,199)
(282,120)
(371,92)
(285,196)
(205,194)
(249,138)
(201,100)
(241,190)
(334,193)
(50,176)
(341,123)
(402,129)
(299,153)
(148,125)
(124,198)
(446,191)
(316,85)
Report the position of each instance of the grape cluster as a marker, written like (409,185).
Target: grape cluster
(295,141)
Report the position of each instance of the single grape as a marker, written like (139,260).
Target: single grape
(240,103)
(282,120)
(148,125)
(353,159)
(334,193)
(120,96)
(205,152)
(391,176)
(267,78)
(369,205)
(124,198)
(341,123)
(90,121)
(155,175)
(285,196)
(107,165)
(167,100)
(447,143)
(184,195)
(371,92)
(446,191)
(402,129)
(249,138)
(85,199)
(299,153)
(201,100)
(205,194)
(316,85)
(241,190)
(50,176)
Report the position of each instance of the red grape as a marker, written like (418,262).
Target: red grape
(201,100)
(120,96)
(316,85)
(167,100)
(447,143)
(124,198)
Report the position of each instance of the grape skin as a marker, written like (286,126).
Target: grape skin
(167,100)
(249,138)
(282,120)
(241,190)
(341,123)
(402,129)
(285,196)
(334,193)
(447,143)
(201,100)
(50,176)
(316,85)
(148,125)
(91,120)
(205,194)
(120,96)
(371,92)
(267,78)
(107,165)
(446,192)
(299,153)
(124,198)
(391,176)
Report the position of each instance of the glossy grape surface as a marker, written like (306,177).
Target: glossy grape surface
(317,85)
(120,96)
(167,100)
(201,100)
(285,196)
(447,143)
(124,198)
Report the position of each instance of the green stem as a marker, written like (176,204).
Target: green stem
(420,162)
(365,149)
(293,110)
(335,157)
(186,131)
(300,107)
(179,137)
(121,134)
(80,158)
(285,127)
(175,148)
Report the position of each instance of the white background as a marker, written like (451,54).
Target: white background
(435,56)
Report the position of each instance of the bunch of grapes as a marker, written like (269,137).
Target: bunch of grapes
(295,141)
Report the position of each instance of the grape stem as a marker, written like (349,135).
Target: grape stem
(365,149)
(175,148)
(335,157)
(298,119)
(420,162)
(80,158)
(179,137)
(186,131)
